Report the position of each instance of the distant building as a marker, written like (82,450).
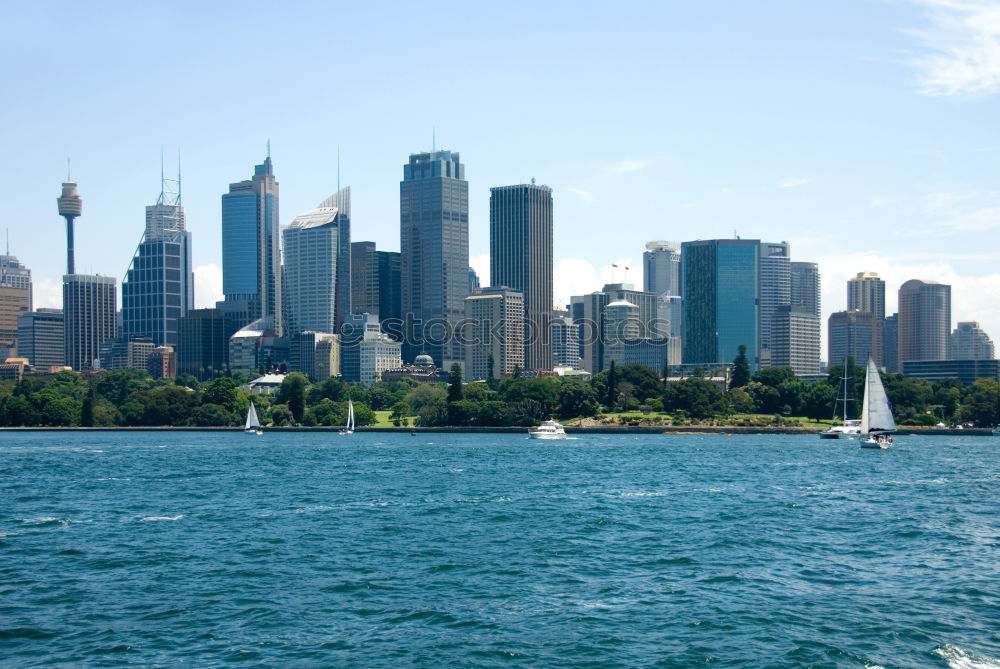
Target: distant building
(521,259)
(775,291)
(795,340)
(969,342)
(41,338)
(365,351)
(966,371)
(318,266)
(661,264)
(375,285)
(328,357)
(850,335)
(474,284)
(804,287)
(721,300)
(565,342)
(162,363)
(246,345)
(313,359)
(203,343)
(131,354)
(421,371)
(924,320)
(890,343)
(251,257)
(866,293)
(494,334)
(434,246)
(158,288)
(624,341)
(14,303)
(89,304)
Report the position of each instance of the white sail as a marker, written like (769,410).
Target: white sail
(876,415)
(350,415)
(252,422)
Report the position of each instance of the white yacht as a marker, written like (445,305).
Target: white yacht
(549,429)
(877,423)
(851,428)
(252,425)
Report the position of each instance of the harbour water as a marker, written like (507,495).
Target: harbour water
(461,550)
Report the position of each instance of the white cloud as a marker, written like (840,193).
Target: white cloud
(957,212)
(586,196)
(46,293)
(792,182)
(963,41)
(574,276)
(207,285)
(481,263)
(628,165)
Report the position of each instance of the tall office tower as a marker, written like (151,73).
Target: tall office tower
(158,288)
(365,351)
(565,341)
(521,259)
(389,307)
(866,292)
(15,300)
(364,278)
(434,247)
(804,287)
(924,320)
(310,356)
(849,334)
(969,342)
(89,313)
(890,344)
(588,314)
(70,206)
(203,343)
(494,331)
(474,284)
(721,286)
(795,340)
(316,254)
(670,324)
(661,263)
(775,291)
(251,258)
(41,338)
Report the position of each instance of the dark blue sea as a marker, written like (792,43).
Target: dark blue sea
(314,550)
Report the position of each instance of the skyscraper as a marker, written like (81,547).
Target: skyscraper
(866,293)
(158,288)
(364,278)
(849,334)
(89,304)
(804,287)
(315,257)
(434,247)
(41,338)
(521,259)
(661,264)
(251,258)
(775,290)
(203,348)
(15,300)
(721,286)
(969,342)
(924,320)
(495,331)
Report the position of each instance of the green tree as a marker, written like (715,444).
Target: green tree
(612,387)
(697,397)
(222,392)
(741,369)
(817,400)
(577,399)
(455,383)
(281,415)
(982,404)
(292,392)
(116,386)
(87,410)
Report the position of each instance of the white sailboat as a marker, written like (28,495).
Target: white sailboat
(253,423)
(349,428)
(876,414)
(851,426)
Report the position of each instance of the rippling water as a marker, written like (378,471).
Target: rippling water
(377,550)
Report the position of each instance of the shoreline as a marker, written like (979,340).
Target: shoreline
(604,429)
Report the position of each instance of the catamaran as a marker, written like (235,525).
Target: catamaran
(877,422)
(253,423)
(349,428)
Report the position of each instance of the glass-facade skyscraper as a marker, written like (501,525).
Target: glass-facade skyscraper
(924,320)
(158,288)
(251,256)
(318,265)
(721,300)
(521,259)
(434,248)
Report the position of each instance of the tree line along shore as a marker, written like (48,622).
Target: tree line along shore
(630,395)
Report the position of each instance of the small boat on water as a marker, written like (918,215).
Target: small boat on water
(877,423)
(349,428)
(252,425)
(851,427)
(549,429)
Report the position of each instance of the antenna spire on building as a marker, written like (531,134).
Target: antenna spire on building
(68,171)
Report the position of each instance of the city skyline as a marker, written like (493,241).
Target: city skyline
(808,151)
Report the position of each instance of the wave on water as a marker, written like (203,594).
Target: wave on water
(153,518)
(960,659)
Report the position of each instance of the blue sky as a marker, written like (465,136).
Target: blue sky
(863,132)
